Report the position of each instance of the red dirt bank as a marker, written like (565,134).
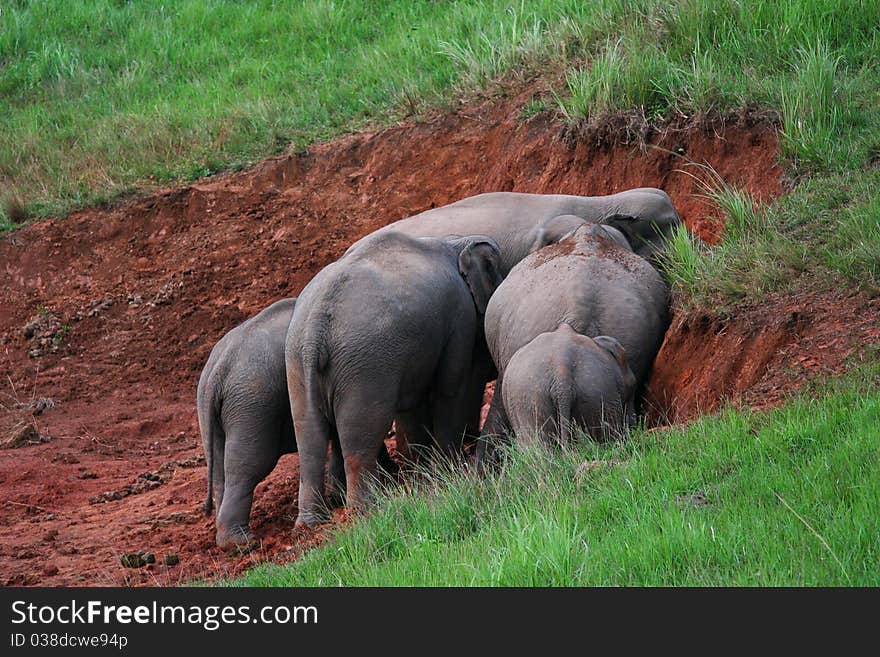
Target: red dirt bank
(147,286)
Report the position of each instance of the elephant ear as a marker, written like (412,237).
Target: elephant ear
(627,225)
(613,347)
(616,236)
(479,263)
(555,229)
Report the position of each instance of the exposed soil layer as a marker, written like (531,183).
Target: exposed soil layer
(108,316)
(763,355)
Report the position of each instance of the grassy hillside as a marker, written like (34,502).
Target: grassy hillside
(788,498)
(102,97)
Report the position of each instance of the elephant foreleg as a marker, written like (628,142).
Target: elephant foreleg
(496,430)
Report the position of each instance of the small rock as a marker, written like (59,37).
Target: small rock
(171,559)
(41,404)
(50,570)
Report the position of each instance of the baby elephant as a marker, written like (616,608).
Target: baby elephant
(562,378)
(244,416)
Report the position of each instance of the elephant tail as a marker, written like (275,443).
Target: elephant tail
(563,414)
(315,351)
(209,458)
(211,441)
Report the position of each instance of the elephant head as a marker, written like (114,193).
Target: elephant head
(479,262)
(555,229)
(646,237)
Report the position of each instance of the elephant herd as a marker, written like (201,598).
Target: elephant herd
(557,297)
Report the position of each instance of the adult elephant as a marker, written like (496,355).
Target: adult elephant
(387,331)
(245,421)
(522,223)
(590,282)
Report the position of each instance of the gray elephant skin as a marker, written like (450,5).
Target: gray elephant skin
(593,284)
(244,418)
(522,223)
(561,379)
(387,331)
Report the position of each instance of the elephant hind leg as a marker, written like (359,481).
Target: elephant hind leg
(250,457)
(313,435)
(495,432)
(413,433)
(362,430)
(336,478)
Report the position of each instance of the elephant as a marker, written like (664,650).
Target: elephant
(387,331)
(244,418)
(562,378)
(522,223)
(591,282)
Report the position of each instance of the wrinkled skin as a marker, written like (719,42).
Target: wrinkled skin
(563,378)
(388,331)
(523,223)
(244,416)
(590,282)
(245,421)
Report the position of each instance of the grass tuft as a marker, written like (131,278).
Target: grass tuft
(812,112)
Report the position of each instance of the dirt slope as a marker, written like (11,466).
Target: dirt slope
(110,313)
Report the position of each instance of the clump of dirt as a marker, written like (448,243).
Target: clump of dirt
(45,332)
(148,480)
(150,284)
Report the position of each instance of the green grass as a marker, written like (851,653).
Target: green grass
(102,97)
(786,498)
(826,233)
(105,97)
(813,62)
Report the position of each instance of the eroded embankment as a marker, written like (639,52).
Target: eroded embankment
(125,303)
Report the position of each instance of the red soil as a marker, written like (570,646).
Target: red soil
(148,285)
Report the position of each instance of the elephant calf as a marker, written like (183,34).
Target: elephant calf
(244,416)
(563,378)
